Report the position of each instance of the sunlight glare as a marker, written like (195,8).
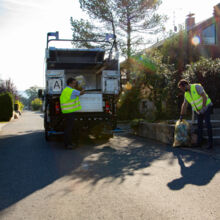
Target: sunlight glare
(196,40)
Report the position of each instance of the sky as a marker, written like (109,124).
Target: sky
(24,25)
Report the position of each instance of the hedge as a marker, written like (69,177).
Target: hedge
(6,106)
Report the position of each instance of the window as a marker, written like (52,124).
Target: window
(209,35)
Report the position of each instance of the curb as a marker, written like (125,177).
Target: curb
(211,153)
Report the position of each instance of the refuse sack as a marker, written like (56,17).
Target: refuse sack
(81,82)
(182,134)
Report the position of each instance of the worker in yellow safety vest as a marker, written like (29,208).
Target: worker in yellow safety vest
(69,103)
(195,95)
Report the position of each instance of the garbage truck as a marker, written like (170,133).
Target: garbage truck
(98,73)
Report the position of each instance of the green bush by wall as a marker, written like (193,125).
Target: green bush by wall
(6,106)
(128,105)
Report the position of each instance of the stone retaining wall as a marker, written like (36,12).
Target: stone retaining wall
(160,132)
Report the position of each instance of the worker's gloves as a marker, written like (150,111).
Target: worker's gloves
(181,117)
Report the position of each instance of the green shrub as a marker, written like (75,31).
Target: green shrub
(128,105)
(36,104)
(6,109)
(160,82)
(156,80)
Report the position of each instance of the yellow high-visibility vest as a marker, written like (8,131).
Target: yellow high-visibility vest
(67,104)
(195,99)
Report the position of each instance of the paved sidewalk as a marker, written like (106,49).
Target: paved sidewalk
(2,125)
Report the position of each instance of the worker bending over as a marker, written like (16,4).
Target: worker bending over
(195,95)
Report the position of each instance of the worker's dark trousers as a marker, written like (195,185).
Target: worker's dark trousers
(69,130)
(206,117)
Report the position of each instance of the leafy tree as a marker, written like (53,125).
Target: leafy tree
(156,82)
(8,86)
(84,30)
(32,93)
(24,100)
(129,20)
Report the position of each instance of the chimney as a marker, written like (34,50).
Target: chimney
(190,21)
(216,12)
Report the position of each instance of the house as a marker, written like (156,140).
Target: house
(206,34)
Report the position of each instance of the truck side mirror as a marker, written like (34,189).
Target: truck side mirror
(40,93)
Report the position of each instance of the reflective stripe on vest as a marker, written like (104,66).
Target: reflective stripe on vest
(67,104)
(195,99)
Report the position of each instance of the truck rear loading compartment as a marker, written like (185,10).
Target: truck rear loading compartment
(76,55)
(76,66)
(113,65)
(79,59)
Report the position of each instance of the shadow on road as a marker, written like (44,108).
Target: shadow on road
(113,163)
(28,163)
(199,173)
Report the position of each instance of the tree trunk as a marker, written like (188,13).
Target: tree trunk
(128,45)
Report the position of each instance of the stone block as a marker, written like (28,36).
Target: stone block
(157,131)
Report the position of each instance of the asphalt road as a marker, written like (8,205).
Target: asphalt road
(126,177)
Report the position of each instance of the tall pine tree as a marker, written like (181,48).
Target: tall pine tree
(129,20)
